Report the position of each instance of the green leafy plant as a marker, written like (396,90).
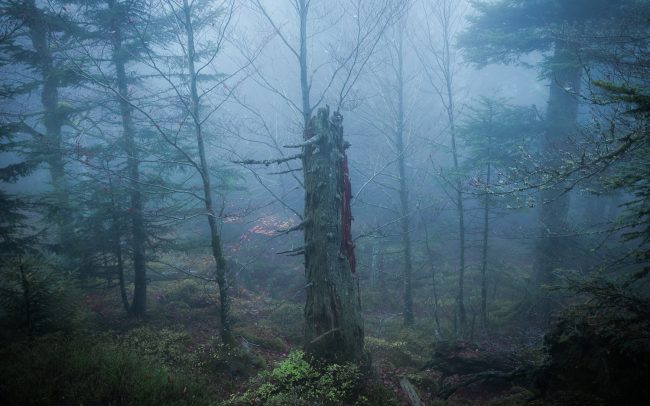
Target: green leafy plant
(297,381)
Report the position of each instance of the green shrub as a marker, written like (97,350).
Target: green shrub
(55,370)
(166,346)
(296,381)
(234,360)
(395,353)
(36,298)
(403,350)
(262,338)
(599,353)
(188,291)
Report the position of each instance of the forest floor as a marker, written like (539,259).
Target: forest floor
(271,329)
(181,334)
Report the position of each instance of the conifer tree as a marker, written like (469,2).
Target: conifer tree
(508,30)
(33,60)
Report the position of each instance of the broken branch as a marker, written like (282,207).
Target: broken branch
(311,141)
(268,162)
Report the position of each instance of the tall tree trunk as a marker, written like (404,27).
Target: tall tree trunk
(445,62)
(139,305)
(434,283)
(460,297)
(305,87)
(117,248)
(333,322)
(27,300)
(53,118)
(403,189)
(215,239)
(553,245)
(484,251)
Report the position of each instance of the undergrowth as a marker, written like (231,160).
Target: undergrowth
(296,381)
(55,370)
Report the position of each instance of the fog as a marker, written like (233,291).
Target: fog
(324,202)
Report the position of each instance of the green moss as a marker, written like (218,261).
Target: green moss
(298,382)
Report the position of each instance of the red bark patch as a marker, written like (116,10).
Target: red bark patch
(347,245)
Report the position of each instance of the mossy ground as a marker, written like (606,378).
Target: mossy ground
(174,356)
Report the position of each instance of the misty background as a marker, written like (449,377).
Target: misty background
(154,162)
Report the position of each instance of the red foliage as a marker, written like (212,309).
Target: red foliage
(347,245)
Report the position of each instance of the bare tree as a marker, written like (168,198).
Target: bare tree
(334,327)
(440,61)
(194,83)
(389,117)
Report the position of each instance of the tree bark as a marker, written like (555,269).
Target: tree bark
(305,87)
(53,118)
(215,238)
(484,251)
(434,284)
(403,188)
(333,322)
(139,305)
(446,61)
(117,248)
(460,298)
(553,245)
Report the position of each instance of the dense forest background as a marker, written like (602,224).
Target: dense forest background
(324,202)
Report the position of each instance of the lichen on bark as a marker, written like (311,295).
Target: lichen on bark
(333,323)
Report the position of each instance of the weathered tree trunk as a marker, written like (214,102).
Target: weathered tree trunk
(333,322)
(403,189)
(215,238)
(139,305)
(553,245)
